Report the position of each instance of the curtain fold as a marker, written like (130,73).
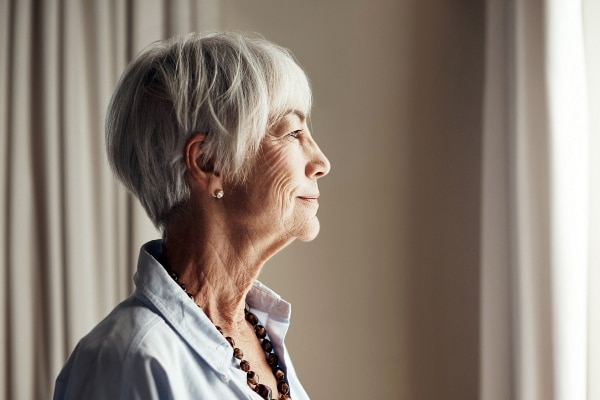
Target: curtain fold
(496,337)
(570,169)
(515,318)
(591,31)
(70,233)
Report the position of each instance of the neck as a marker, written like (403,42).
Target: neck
(216,270)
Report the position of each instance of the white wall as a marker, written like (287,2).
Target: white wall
(386,298)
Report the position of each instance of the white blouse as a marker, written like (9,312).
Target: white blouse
(158,344)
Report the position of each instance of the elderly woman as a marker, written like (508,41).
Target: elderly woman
(210,134)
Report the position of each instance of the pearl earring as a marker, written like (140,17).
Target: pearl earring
(218,193)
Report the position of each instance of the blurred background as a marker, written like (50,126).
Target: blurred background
(460,245)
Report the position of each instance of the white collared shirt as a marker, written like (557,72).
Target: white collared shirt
(158,344)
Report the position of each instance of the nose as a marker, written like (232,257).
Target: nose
(319,165)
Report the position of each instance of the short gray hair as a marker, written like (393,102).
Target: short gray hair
(231,86)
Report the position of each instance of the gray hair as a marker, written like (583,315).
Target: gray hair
(231,86)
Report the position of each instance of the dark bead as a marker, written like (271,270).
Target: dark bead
(283,387)
(279,374)
(190,295)
(272,359)
(174,276)
(261,332)
(245,366)
(251,318)
(219,329)
(182,285)
(230,340)
(264,391)
(267,346)
(237,353)
(252,378)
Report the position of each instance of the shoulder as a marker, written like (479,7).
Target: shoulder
(123,332)
(120,357)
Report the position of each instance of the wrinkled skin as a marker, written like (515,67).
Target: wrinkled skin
(280,198)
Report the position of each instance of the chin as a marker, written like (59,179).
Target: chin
(311,232)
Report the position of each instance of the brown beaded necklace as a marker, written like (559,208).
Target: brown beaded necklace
(264,391)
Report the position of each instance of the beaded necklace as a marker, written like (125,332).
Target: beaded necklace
(263,391)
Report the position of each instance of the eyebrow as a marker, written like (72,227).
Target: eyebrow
(298,113)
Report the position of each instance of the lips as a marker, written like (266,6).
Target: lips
(310,197)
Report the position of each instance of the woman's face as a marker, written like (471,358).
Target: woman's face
(281,196)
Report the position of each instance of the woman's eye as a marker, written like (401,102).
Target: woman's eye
(295,133)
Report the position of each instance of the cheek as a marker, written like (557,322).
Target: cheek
(278,177)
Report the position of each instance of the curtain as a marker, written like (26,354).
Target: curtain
(540,209)
(591,13)
(69,232)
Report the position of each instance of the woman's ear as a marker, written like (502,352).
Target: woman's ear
(203,175)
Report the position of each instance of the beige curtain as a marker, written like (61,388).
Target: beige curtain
(591,13)
(68,231)
(540,208)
